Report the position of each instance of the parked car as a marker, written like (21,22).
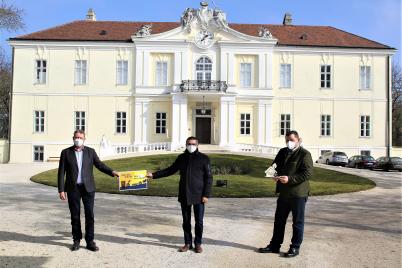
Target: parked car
(362,161)
(388,163)
(333,158)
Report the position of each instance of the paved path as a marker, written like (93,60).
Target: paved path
(348,230)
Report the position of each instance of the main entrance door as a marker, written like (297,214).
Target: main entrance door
(203,129)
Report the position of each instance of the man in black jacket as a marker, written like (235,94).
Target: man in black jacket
(194,189)
(76,162)
(294,168)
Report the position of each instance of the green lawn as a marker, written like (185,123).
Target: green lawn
(249,181)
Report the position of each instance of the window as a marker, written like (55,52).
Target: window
(365,152)
(245,74)
(38,153)
(286,74)
(245,124)
(365,77)
(122,72)
(365,126)
(121,122)
(161,73)
(41,72)
(160,123)
(325,76)
(325,125)
(285,124)
(324,152)
(203,68)
(80,72)
(39,123)
(80,120)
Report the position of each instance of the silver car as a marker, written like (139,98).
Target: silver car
(334,158)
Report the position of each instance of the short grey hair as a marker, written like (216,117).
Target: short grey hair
(79,131)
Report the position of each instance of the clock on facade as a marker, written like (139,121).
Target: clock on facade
(204,39)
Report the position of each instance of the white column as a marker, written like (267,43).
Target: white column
(269,70)
(268,124)
(141,120)
(184,66)
(145,68)
(179,120)
(227,131)
(230,68)
(138,68)
(261,70)
(260,122)
(177,68)
(224,66)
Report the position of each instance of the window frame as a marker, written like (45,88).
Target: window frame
(327,125)
(123,123)
(41,153)
(161,126)
(164,75)
(80,118)
(244,72)
(364,80)
(121,72)
(42,79)
(83,73)
(363,128)
(284,121)
(325,73)
(40,118)
(245,127)
(287,75)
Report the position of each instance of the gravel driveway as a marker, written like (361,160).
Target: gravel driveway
(347,230)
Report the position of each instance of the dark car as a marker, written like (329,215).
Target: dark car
(362,161)
(388,163)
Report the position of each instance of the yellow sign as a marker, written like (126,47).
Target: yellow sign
(133,180)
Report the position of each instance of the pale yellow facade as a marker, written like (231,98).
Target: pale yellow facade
(142,99)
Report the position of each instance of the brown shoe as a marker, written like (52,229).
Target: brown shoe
(185,248)
(198,249)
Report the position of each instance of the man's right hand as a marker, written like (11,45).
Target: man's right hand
(63,196)
(149,175)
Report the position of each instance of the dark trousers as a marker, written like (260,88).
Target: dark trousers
(199,223)
(74,202)
(283,208)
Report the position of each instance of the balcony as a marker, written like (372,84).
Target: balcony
(203,85)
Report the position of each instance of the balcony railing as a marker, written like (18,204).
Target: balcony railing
(203,85)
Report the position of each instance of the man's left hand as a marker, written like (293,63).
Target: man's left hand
(204,199)
(115,174)
(283,179)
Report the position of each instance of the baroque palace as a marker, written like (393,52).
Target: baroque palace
(146,86)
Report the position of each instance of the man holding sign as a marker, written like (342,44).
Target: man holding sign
(194,189)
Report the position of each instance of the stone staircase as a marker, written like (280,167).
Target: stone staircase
(211,148)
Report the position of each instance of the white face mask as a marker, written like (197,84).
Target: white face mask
(291,145)
(191,148)
(78,142)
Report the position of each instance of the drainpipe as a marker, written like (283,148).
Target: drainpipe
(10,106)
(389,106)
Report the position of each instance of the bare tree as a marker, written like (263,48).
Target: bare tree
(10,17)
(396,105)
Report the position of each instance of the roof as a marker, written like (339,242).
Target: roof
(121,31)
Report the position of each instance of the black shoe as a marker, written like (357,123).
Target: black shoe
(92,246)
(268,249)
(76,245)
(293,252)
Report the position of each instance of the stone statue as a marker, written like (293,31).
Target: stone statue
(144,30)
(187,18)
(264,32)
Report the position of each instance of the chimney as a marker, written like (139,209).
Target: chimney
(91,15)
(287,19)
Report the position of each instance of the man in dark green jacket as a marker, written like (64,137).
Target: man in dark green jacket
(294,168)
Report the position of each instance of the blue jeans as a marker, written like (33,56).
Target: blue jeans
(199,223)
(284,207)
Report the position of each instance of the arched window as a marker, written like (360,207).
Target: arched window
(203,68)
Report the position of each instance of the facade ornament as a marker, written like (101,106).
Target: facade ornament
(207,19)
(263,32)
(144,30)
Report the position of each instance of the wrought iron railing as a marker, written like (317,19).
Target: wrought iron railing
(203,85)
